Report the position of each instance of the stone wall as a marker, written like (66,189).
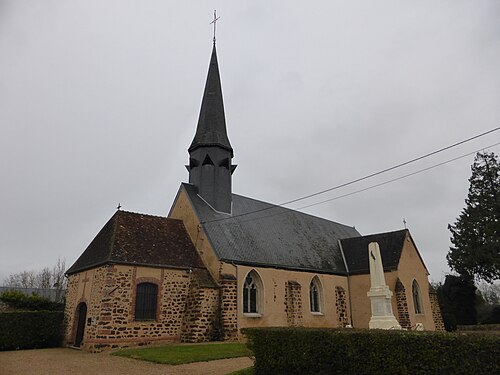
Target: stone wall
(229,307)
(70,307)
(436,310)
(293,304)
(110,293)
(202,313)
(341,305)
(402,303)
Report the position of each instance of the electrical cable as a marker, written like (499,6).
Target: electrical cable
(362,178)
(361,190)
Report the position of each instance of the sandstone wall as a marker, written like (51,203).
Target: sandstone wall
(110,293)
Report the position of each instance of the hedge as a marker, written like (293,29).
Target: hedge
(480,327)
(31,329)
(20,301)
(333,351)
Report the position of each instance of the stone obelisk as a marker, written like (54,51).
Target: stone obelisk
(380,295)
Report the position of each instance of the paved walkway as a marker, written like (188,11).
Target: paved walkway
(76,362)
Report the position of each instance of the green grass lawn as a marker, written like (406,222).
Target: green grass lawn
(179,354)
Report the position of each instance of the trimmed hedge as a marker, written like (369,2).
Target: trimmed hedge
(31,329)
(480,327)
(334,351)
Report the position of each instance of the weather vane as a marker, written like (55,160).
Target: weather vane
(215,22)
(404,222)
(119,206)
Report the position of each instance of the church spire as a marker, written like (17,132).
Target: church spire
(210,168)
(211,129)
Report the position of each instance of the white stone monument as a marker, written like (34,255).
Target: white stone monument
(380,295)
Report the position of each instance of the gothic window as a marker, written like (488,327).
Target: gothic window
(146,301)
(315,298)
(208,161)
(417,298)
(252,294)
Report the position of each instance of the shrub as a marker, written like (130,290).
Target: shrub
(31,329)
(20,301)
(480,327)
(333,351)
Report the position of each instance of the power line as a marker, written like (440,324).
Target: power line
(390,168)
(362,178)
(398,178)
(364,189)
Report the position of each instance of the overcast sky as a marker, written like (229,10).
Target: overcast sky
(99,102)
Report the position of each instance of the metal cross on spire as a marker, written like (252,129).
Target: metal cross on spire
(215,22)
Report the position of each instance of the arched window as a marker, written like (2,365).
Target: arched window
(252,294)
(417,298)
(146,301)
(315,295)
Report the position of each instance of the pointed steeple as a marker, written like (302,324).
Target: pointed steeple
(211,129)
(210,167)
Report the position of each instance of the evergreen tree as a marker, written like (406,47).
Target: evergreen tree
(476,233)
(457,300)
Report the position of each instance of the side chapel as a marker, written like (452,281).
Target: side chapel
(220,262)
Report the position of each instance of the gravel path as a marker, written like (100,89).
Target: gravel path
(77,362)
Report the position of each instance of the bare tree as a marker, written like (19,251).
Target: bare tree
(44,278)
(59,280)
(25,279)
(47,278)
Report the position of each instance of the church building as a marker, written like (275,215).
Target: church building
(220,262)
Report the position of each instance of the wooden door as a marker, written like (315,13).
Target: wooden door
(80,328)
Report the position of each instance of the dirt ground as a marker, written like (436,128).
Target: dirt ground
(77,362)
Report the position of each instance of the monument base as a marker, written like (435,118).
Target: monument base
(383,322)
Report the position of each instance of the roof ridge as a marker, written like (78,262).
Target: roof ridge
(147,215)
(383,233)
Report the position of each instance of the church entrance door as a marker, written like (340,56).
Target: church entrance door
(80,328)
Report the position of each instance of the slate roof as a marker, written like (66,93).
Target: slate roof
(273,236)
(356,251)
(211,129)
(133,238)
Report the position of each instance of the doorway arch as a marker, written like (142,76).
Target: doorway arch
(81,318)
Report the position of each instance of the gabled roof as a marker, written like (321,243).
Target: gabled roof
(272,236)
(211,129)
(132,238)
(356,251)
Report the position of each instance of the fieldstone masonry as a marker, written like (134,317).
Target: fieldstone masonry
(403,312)
(186,309)
(293,304)
(70,306)
(341,305)
(229,307)
(201,313)
(436,311)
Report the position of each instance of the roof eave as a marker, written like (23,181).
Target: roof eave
(280,266)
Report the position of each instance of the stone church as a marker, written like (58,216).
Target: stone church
(220,262)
